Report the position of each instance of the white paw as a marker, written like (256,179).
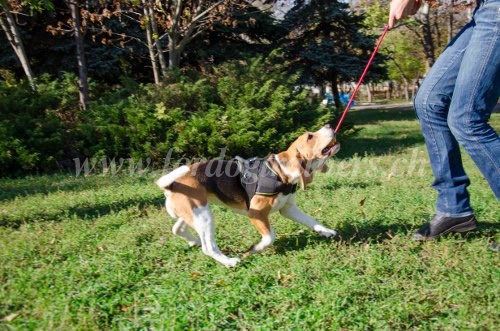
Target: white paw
(193,243)
(231,262)
(325,232)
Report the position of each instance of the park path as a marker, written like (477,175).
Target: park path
(403,105)
(384,106)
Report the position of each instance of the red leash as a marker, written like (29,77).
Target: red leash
(361,79)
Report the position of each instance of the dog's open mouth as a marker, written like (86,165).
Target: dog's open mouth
(331,148)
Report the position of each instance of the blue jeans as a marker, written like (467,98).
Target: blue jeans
(454,105)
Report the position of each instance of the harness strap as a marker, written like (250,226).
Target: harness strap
(258,177)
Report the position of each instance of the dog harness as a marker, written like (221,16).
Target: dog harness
(258,177)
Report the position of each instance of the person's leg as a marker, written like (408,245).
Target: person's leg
(432,103)
(476,93)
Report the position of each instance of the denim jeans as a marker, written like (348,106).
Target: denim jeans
(454,104)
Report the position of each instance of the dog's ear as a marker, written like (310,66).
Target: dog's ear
(305,179)
(275,165)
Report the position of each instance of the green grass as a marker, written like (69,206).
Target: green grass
(98,253)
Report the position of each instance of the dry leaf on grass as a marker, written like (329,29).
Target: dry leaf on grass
(10,317)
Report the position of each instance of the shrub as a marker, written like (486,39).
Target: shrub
(31,131)
(250,108)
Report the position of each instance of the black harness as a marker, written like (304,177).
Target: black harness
(258,177)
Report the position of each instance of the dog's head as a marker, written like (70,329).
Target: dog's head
(307,153)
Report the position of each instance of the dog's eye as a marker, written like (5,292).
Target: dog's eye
(310,136)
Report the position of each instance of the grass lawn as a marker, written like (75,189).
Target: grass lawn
(98,253)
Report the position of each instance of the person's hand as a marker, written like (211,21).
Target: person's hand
(401,9)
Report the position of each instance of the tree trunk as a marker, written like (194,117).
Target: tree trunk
(450,20)
(407,90)
(151,48)
(427,40)
(404,77)
(161,56)
(322,91)
(470,12)
(437,29)
(368,93)
(74,8)
(157,42)
(335,92)
(174,56)
(14,37)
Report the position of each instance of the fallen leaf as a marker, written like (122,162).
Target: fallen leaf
(195,274)
(10,317)
(284,278)
(362,202)
(124,308)
(220,283)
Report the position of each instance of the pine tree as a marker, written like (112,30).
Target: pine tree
(326,43)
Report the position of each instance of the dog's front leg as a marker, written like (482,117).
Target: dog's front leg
(259,216)
(292,212)
(265,230)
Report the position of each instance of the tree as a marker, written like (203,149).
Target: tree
(149,21)
(9,26)
(429,23)
(406,62)
(183,21)
(169,26)
(325,41)
(250,33)
(74,8)
(427,26)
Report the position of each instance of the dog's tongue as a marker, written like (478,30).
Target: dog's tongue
(331,143)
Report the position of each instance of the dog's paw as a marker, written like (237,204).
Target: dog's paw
(325,232)
(231,262)
(194,243)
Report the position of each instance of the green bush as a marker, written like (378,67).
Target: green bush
(250,108)
(31,129)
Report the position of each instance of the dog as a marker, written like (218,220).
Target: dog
(255,188)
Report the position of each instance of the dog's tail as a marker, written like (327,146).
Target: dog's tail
(168,179)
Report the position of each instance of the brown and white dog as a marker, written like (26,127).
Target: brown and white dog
(189,189)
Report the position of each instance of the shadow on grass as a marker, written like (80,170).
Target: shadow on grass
(387,140)
(371,116)
(86,212)
(20,188)
(348,234)
(26,187)
(483,230)
(371,233)
(334,185)
(380,146)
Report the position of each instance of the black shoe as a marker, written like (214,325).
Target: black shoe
(442,225)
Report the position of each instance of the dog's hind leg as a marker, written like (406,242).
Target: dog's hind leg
(181,229)
(203,223)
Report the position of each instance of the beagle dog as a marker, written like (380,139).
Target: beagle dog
(190,189)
